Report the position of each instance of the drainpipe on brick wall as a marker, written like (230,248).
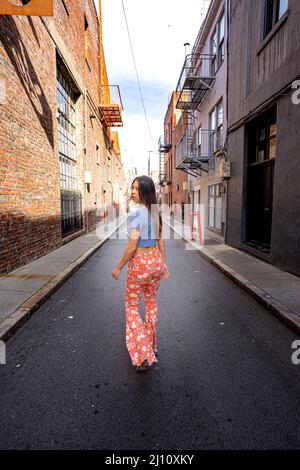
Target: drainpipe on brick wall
(228,7)
(85,161)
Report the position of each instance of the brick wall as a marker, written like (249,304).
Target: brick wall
(179,177)
(30,205)
(174,128)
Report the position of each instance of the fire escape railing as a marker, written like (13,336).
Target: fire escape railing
(163,148)
(111,108)
(195,80)
(193,152)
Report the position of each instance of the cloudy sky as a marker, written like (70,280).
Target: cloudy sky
(158,29)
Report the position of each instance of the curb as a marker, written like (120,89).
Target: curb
(10,325)
(281,312)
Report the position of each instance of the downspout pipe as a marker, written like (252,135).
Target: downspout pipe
(228,10)
(85,162)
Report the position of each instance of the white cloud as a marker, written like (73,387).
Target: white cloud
(134,140)
(158,30)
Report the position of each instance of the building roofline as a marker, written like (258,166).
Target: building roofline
(207,23)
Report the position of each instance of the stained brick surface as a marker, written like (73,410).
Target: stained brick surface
(30,207)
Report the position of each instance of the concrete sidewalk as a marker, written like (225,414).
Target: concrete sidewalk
(276,290)
(23,290)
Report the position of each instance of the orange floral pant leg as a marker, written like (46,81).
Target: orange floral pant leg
(144,273)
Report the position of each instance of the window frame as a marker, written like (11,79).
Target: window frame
(216,195)
(66,99)
(262,143)
(272,14)
(216,134)
(197,142)
(217,45)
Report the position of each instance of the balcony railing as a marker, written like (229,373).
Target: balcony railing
(163,180)
(195,80)
(71,211)
(163,145)
(111,109)
(194,151)
(163,148)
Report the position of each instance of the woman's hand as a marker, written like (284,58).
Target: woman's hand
(165,272)
(116,273)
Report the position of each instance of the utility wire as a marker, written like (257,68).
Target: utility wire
(137,75)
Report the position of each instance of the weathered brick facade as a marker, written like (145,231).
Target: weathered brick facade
(31,51)
(180,178)
(173,131)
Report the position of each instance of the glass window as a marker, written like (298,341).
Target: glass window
(272,132)
(216,127)
(272,148)
(214,42)
(221,28)
(218,209)
(274,10)
(283,6)
(220,114)
(213,120)
(219,124)
(214,53)
(214,206)
(261,155)
(66,132)
(265,141)
(213,131)
(262,133)
(218,44)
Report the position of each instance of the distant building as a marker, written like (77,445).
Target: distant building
(172,181)
(202,98)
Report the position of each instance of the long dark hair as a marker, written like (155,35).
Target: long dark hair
(147,195)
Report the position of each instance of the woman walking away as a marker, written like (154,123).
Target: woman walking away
(146,257)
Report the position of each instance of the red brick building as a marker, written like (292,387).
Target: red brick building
(173,181)
(59,168)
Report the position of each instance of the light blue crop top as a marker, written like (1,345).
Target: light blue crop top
(141,219)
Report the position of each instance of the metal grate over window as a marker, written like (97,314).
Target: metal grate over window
(71,211)
(71,198)
(66,133)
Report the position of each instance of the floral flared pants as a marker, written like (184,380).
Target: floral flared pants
(144,273)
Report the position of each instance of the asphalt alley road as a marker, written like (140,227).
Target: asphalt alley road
(224,379)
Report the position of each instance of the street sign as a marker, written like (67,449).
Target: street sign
(26,7)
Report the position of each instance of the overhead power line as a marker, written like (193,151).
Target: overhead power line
(137,74)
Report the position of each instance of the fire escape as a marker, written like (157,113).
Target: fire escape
(111,108)
(196,79)
(193,150)
(163,148)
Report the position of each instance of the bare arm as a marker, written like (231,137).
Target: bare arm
(128,253)
(162,248)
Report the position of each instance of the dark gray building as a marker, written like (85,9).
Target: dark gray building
(263,206)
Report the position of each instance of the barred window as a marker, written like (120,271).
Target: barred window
(66,99)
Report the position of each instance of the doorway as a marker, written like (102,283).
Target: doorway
(260,180)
